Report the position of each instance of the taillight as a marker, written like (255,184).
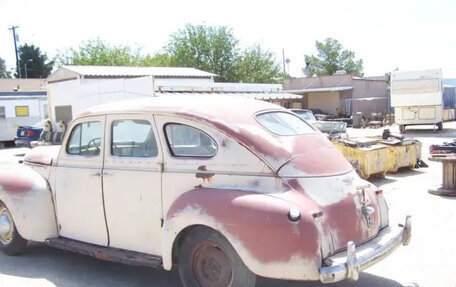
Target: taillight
(378,192)
(30,133)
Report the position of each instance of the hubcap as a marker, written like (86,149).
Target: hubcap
(211,266)
(6,227)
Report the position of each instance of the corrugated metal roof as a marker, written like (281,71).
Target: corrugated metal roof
(122,71)
(317,90)
(255,96)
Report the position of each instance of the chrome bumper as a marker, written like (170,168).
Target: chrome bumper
(348,265)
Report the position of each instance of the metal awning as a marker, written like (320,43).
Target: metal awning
(256,96)
(320,90)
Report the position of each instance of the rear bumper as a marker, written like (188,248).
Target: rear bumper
(347,265)
(22,142)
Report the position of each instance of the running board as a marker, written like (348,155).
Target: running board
(106,253)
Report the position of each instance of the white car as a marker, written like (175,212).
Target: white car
(224,196)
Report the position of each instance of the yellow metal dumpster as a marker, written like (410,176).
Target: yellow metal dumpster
(367,161)
(405,155)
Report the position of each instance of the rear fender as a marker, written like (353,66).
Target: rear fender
(255,224)
(27,196)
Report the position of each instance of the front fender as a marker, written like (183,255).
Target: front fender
(27,196)
(257,227)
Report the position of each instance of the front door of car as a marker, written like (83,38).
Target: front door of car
(132,183)
(78,183)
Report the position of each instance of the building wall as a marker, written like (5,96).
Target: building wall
(328,102)
(370,96)
(318,82)
(82,94)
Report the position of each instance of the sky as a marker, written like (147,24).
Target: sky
(403,34)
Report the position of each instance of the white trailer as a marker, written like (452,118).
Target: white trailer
(417,98)
(20,109)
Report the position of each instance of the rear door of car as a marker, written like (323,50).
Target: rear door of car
(132,183)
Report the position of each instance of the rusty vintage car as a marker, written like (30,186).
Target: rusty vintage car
(225,194)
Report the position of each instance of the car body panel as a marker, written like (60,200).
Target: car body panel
(28,197)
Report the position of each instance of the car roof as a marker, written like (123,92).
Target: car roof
(210,106)
(233,115)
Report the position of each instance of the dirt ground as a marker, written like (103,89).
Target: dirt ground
(427,261)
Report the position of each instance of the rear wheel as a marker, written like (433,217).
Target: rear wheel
(207,259)
(11,242)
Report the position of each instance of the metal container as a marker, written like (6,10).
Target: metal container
(367,161)
(357,120)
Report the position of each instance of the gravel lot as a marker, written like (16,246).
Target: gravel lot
(427,261)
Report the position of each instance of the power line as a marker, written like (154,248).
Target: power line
(13,28)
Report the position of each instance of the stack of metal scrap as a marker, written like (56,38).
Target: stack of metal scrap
(445,148)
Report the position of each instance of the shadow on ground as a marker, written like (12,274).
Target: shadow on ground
(63,269)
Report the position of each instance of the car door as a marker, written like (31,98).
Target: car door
(132,183)
(78,183)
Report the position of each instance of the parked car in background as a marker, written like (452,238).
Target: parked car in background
(306,115)
(225,197)
(25,135)
(332,128)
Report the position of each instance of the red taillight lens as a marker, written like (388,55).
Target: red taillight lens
(379,192)
(30,133)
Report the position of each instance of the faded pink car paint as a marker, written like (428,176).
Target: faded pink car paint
(13,182)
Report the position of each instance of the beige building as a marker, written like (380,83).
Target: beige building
(342,94)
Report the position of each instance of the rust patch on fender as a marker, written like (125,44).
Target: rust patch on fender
(12,182)
(258,222)
(204,175)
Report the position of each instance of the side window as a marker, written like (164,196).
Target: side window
(187,141)
(133,138)
(85,139)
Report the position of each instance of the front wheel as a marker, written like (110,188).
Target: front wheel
(207,259)
(11,242)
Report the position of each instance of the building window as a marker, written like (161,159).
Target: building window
(2,113)
(22,111)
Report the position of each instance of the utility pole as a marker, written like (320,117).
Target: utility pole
(13,28)
(283,60)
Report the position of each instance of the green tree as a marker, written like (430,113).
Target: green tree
(332,57)
(3,70)
(256,65)
(211,49)
(36,62)
(158,60)
(98,53)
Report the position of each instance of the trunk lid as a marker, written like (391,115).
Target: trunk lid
(350,208)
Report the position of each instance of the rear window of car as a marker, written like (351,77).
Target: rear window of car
(284,124)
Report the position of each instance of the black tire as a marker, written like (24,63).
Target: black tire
(207,259)
(440,126)
(11,242)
